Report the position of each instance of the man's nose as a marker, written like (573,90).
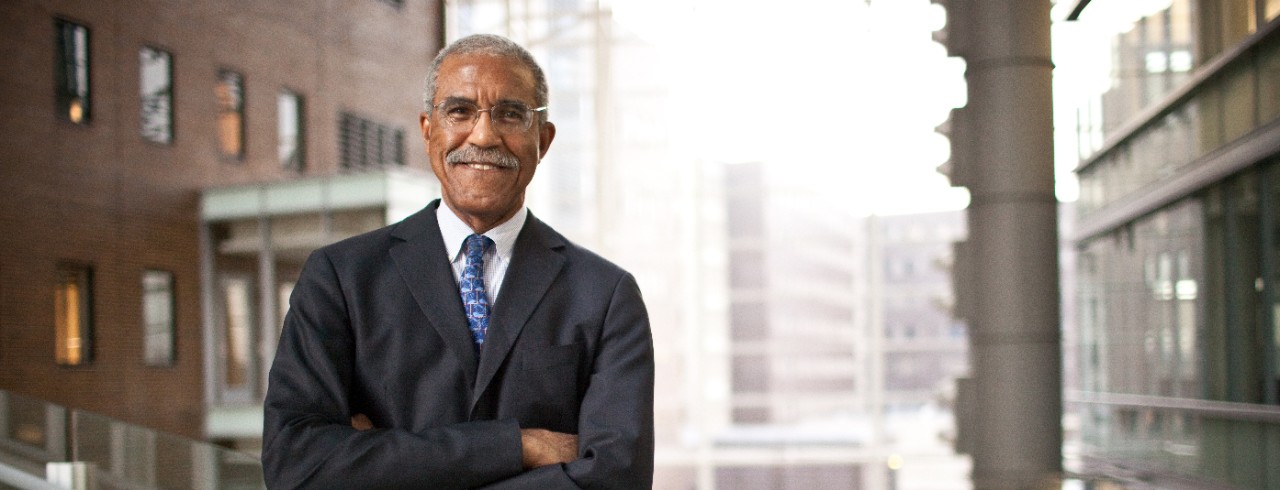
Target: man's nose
(482,134)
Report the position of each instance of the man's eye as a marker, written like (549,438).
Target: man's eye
(512,114)
(460,111)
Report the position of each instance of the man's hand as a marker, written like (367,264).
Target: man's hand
(543,447)
(361,422)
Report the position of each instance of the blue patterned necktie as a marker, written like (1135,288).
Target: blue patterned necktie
(474,299)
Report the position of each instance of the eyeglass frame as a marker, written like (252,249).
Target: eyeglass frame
(451,124)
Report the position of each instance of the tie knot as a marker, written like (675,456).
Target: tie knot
(476,245)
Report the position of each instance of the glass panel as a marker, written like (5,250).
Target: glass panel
(1239,102)
(1141,51)
(71,82)
(230,94)
(129,456)
(289,130)
(73,334)
(1237,21)
(155,75)
(1269,80)
(1272,224)
(1234,359)
(157,318)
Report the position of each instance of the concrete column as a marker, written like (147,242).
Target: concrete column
(209,314)
(268,304)
(1013,235)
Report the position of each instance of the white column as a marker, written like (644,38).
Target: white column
(1013,235)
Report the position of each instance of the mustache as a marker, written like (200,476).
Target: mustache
(492,156)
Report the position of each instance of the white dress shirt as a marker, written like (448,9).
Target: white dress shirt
(496,258)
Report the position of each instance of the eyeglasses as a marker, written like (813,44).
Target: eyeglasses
(505,118)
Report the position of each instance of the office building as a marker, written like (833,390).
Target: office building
(166,168)
(1179,349)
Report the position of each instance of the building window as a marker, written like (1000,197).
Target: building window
(71,71)
(237,343)
(155,90)
(73,315)
(230,93)
(366,144)
(289,130)
(157,318)
(394,3)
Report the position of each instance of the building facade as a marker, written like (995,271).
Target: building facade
(805,364)
(1179,311)
(926,347)
(166,168)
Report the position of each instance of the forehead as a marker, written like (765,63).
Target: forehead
(474,75)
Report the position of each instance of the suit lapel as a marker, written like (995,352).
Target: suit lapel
(534,266)
(421,259)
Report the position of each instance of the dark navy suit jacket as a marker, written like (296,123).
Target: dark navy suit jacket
(376,326)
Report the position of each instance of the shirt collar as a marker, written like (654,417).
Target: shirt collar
(455,232)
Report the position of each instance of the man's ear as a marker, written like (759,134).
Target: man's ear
(546,133)
(424,120)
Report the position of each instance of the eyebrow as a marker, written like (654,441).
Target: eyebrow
(473,102)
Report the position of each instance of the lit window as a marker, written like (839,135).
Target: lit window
(157,318)
(289,130)
(230,93)
(72,71)
(72,315)
(155,86)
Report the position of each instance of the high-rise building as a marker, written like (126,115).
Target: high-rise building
(926,346)
(802,380)
(166,168)
(1179,131)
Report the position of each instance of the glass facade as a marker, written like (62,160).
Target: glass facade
(1180,217)
(1179,336)
(1225,102)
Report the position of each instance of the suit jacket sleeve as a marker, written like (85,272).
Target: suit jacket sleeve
(615,425)
(308,440)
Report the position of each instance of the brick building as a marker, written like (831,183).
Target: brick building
(165,168)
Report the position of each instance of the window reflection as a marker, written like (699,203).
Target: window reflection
(230,94)
(157,318)
(289,130)
(156,94)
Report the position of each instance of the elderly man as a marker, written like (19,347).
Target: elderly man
(469,345)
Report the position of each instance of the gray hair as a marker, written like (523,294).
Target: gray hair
(487,44)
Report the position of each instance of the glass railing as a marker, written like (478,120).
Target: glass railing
(41,442)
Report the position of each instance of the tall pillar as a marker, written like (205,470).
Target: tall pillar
(1003,152)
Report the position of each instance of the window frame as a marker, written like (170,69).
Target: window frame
(224,109)
(73,101)
(298,161)
(167,348)
(163,93)
(81,353)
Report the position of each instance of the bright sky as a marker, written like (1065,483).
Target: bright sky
(842,91)
(834,91)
